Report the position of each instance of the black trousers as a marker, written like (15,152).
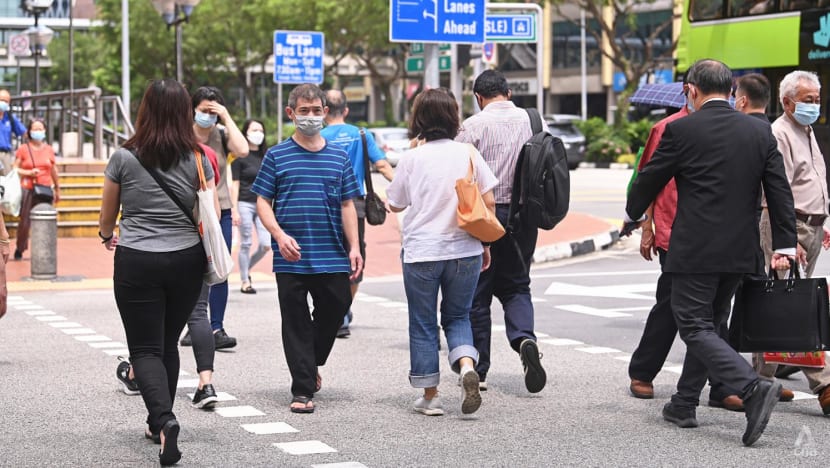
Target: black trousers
(701,306)
(201,333)
(155,293)
(308,336)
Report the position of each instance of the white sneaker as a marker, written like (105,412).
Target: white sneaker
(429,407)
(470,391)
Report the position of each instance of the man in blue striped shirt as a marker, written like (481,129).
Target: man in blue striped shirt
(305,191)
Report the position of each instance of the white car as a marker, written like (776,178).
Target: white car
(393,141)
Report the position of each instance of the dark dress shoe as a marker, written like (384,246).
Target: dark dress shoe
(731,403)
(824,400)
(759,405)
(170,454)
(785,371)
(682,417)
(641,389)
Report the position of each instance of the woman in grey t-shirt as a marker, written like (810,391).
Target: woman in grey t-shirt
(159,258)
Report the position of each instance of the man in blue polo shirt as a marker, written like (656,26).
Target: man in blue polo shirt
(305,190)
(8,125)
(348,136)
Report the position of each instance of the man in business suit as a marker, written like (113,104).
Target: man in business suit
(715,235)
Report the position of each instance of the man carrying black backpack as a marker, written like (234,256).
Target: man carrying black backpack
(500,132)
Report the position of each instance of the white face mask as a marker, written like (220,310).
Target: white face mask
(255,137)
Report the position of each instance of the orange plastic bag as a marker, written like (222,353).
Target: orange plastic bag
(808,359)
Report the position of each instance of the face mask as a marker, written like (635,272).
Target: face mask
(256,137)
(308,125)
(4,106)
(806,114)
(38,135)
(204,120)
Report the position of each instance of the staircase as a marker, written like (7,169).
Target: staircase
(80,205)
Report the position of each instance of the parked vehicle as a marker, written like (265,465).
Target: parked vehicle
(562,126)
(391,140)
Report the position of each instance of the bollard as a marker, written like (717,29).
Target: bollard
(44,240)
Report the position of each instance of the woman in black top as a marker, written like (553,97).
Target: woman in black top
(243,173)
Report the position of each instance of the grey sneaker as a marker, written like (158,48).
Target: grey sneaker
(470,392)
(429,407)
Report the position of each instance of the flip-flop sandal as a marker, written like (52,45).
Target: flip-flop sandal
(304,400)
(248,289)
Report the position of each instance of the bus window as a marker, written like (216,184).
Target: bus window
(701,10)
(749,7)
(787,5)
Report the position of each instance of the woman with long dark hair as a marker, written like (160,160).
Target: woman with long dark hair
(159,259)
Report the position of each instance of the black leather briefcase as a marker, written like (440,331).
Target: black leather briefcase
(781,315)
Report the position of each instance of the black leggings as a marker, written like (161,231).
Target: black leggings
(155,293)
(201,334)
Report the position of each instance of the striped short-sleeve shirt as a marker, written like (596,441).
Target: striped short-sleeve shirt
(308,188)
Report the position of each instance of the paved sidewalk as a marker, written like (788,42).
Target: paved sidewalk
(86,264)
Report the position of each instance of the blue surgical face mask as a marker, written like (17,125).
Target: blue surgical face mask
(806,114)
(38,135)
(4,106)
(204,120)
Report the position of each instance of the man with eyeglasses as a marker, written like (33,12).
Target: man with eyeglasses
(306,189)
(8,125)
(800,96)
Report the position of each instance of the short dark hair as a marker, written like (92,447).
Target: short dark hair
(248,123)
(31,123)
(434,116)
(336,101)
(207,93)
(756,87)
(164,133)
(491,84)
(711,77)
(308,92)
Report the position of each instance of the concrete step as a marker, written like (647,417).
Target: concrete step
(78,213)
(81,189)
(68,201)
(81,178)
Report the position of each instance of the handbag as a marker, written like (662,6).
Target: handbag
(375,208)
(219,261)
(40,191)
(472,214)
(781,315)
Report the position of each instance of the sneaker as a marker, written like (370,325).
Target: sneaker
(470,392)
(682,417)
(128,386)
(205,397)
(222,340)
(429,407)
(535,376)
(482,385)
(343,332)
(186,340)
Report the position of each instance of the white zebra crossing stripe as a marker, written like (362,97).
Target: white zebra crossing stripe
(598,350)
(561,342)
(305,447)
(269,428)
(238,411)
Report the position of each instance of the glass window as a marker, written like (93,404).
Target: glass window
(701,10)
(750,7)
(789,5)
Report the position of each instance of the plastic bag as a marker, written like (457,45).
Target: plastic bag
(12,193)
(219,261)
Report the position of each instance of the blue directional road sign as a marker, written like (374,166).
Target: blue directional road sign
(298,57)
(459,21)
(510,28)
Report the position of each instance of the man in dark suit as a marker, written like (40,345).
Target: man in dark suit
(719,159)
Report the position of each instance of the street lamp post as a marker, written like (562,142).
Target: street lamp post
(39,36)
(174,13)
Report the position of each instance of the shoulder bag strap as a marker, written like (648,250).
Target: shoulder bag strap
(34,166)
(166,188)
(471,176)
(367,173)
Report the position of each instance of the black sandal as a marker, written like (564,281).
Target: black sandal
(305,401)
(248,289)
(169,453)
(156,438)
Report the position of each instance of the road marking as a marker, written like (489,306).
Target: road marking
(237,411)
(597,274)
(562,342)
(623,358)
(673,369)
(538,299)
(107,344)
(269,428)
(498,328)
(392,304)
(220,396)
(188,383)
(617,291)
(803,396)
(541,335)
(65,324)
(90,338)
(39,312)
(118,352)
(27,306)
(77,331)
(50,318)
(367,298)
(598,350)
(340,465)
(16,300)
(305,447)
(581,309)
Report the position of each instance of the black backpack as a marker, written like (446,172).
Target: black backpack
(541,185)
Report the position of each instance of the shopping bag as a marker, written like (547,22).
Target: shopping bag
(219,261)
(781,315)
(12,194)
(809,359)
(472,214)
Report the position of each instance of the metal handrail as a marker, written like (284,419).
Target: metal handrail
(77,111)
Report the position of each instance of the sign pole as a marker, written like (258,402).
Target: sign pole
(280,110)
(455,77)
(432,77)
(583,67)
